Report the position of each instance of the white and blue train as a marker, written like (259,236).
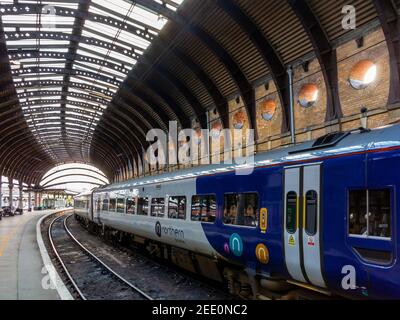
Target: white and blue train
(321,215)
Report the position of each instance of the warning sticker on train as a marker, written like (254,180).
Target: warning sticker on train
(292,242)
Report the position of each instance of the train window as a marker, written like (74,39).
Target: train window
(311,212)
(157,207)
(357,212)
(241,209)
(291,212)
(78,204)
(121,205)
(177,207)
(130,205)
(379,213)
(370,213)
(104,206)
(204,208)
(113,204)
(143,206)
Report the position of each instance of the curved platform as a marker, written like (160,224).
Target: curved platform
(22,272)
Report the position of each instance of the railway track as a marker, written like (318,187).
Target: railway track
(88,277)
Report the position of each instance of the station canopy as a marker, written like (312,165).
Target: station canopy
(85,80)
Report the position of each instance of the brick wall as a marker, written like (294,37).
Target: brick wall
(374,96)
(310,122)
(267,129)
(308,117)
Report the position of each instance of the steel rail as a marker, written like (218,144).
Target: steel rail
(96,259)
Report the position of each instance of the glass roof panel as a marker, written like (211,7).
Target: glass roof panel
(114,36)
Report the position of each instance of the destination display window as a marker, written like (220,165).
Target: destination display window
(157,207)
(241,209)
(204,208)
(177,207)
(131,205)
(370,213)
(143,207)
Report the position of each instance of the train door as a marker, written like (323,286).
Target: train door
(97,203)
(302,223)
(92,205)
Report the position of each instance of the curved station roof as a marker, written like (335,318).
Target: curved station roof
(84,81)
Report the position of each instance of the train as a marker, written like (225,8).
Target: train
(318,217)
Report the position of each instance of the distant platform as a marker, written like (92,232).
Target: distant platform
(22,273)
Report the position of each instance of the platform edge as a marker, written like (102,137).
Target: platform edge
(55,279)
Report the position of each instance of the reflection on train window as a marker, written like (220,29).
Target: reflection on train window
(241,209)
(143,206)
(130,205)
(79,204)
(369,213)
(157,207)
(104,206)
(379,213)
(357,212)
(291,212)
(98,203)
(204,208)
(113,204)
(121,205)
(177,208)
(311,212)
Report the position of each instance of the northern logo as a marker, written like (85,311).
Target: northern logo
(236,245)
(169,231)
(158,229)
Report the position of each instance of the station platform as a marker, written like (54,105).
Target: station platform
(22,271)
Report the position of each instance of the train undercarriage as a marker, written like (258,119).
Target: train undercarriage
(242,283)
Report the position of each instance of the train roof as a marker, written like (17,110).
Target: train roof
(338,143)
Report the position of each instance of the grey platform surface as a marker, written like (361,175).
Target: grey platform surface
(22,273)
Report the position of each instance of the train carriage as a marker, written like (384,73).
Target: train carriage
(320,215)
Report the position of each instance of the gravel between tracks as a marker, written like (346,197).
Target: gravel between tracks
(92,278)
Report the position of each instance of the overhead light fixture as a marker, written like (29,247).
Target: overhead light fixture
(363,74)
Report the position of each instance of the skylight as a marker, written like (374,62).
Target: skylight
(67,69)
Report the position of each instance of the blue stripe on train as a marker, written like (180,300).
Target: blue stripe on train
(375,170)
